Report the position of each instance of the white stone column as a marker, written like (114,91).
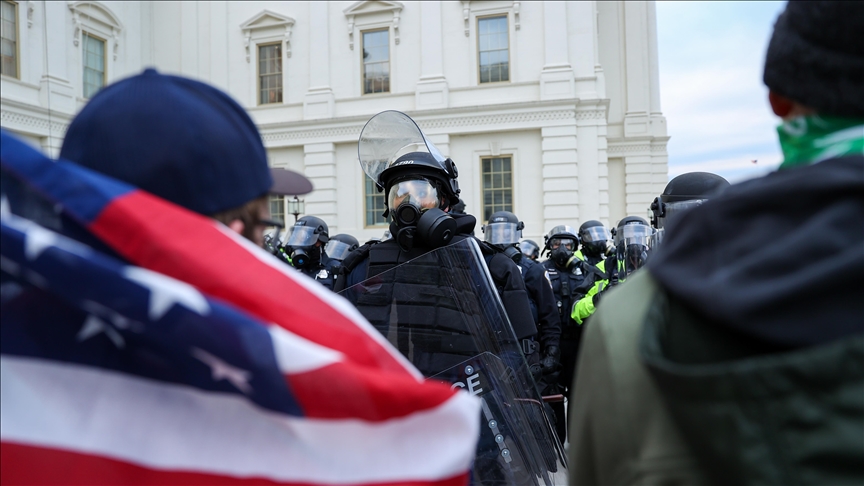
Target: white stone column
(319,99)
(57,90)
(556,79)
(637,64)
(320,167)
(592,169)
(583,49)
(560,176)
(432,91)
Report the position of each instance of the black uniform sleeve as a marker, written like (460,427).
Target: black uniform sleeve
(540,289)
(508,278)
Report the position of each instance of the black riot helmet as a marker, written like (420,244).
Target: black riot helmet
(683,192)
(633,238)
(418,181)
(530,249)
(594,237)
(305,239)
(504,230)
(340,246)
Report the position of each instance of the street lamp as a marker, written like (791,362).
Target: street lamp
(295,206)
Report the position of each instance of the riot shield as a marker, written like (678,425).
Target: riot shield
(443,313)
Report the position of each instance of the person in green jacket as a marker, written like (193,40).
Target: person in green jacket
(738,356)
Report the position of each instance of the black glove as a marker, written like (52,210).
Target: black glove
(550,360)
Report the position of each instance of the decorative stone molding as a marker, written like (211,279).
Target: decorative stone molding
(15,120)
(96,18)
(264,20)
(591,115)
(366,8)
(627,149)
(277,135)
(491,7)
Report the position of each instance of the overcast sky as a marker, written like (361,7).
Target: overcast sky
(716,107)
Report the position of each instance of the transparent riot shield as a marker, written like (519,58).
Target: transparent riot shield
(442,311)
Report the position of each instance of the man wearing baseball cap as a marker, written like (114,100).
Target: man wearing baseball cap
(186,142)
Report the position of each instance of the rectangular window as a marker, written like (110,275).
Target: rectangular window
(376,61)
(277,208)
(9,38)
(375,204)
(494,50)
(270,74)
(497,185)
(94,65)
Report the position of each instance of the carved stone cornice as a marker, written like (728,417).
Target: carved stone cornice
(36,124)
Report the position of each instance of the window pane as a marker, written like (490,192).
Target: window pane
(493,49)
(497,185)
(93,64)
(270,74)
(374,204)
(376,61)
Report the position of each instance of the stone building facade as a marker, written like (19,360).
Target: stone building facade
(550,109)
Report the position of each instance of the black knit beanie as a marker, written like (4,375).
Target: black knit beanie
(816,56)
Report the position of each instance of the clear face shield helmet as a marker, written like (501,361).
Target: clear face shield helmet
(633,247)
(595,239)
(505,235)
(302,241)
(337,250)
(408,199)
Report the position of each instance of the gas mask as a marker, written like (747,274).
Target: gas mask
(633,248)
(417,219)
(302,245)
(561,251)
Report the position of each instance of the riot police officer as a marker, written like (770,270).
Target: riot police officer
(681,193)
(420,187)
(340,246)
(567,275)
(530,249)
(503,231)
(633,240)
(304,247)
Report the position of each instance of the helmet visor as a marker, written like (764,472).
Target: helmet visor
(529,248)
(388,136)
(631,231)
(632,255)
(677,207)
(420,193)
(337,250)
(299,236)
(596,234)
(502,233)
(568,243)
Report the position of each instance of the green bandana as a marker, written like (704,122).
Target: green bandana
(810,139)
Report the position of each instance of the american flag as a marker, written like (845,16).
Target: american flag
(169,350)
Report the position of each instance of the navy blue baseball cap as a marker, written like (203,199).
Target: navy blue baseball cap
(180,139)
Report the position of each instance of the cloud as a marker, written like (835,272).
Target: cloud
(711,57)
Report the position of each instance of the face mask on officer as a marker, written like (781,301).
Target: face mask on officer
(633,248)
(305,246)
(414,206)
(561,250)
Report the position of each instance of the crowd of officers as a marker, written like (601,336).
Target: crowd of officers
(563,280)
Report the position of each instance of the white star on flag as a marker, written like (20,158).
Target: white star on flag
(166,291)
(93,326)
(220,370)
(37,239)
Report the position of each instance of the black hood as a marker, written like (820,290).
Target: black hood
(779,259)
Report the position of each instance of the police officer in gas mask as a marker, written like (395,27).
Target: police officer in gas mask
(567,275)
(502,232)
(420,187)
(304,246)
